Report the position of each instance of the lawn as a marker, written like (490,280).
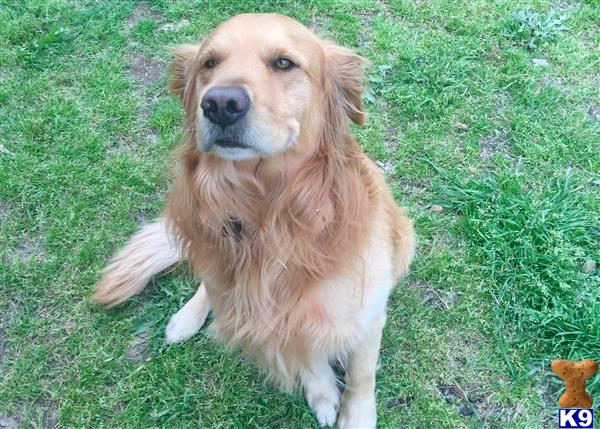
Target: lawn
(484,117)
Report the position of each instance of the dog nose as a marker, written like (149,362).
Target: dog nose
(225,105)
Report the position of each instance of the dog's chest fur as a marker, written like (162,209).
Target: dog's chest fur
(285,273)
(287,326)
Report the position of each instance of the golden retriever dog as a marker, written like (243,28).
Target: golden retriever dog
(290,226)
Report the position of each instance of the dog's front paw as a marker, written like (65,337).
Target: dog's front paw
(325,407)
(184,324)
(358,412)
(322,395)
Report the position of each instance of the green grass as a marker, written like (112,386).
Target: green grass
(460,116)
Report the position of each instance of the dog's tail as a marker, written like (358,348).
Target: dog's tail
(148,252)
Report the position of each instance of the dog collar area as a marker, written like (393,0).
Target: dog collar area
(232,227)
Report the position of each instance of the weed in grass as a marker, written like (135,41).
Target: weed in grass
(379,84)
(535,29)
(534,244)
(537,240)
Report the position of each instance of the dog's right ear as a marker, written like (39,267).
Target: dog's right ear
(180,68)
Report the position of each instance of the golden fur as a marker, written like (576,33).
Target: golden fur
(288,287)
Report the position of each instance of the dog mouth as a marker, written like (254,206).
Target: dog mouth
(229,143)
(225,140)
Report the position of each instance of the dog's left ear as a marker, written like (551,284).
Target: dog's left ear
(346,72)
(180,68)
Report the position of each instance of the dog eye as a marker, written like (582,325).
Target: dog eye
(209,64)
(283,64)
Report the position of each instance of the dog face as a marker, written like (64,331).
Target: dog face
(260,84)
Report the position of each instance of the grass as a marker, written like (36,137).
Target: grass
(460,117)
(530,27)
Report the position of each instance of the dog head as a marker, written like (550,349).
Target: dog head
(263,84)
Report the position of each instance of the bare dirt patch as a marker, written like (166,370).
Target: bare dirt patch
(540,62)
(472,399)
(438,299)
(441,299)
(495,143)
(593,112)
(550,392)
(393,135)
(385,167)
(3,352)
(142,12)
(27,250)
(49,409)
(400,401)
(365,35)
(391,142)
(145,112)
(3,208)
(412,191)
(4,348)
(321,24)
(568,5)
(174,26)
(137,350)
(146,71)
(284,421)
(548,80)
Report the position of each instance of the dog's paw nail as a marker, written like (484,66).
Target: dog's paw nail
(326,416)
(326,413)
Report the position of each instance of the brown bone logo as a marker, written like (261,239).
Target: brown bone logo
(574,375)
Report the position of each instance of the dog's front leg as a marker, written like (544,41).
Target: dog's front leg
(358,401)
(322,393)
(190,318)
